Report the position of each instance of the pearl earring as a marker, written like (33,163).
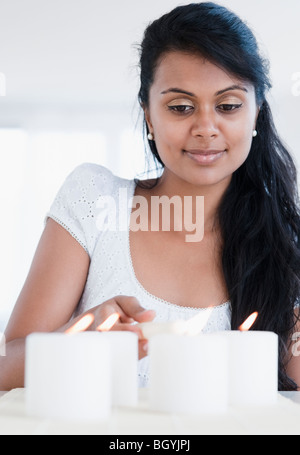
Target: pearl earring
(255,133)
(150,137)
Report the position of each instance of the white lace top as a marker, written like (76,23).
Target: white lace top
(84,207)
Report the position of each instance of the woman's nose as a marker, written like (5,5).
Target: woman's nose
(205,125)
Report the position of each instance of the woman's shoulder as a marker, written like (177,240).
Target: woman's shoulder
(92,173)
(77,204)
(91,178)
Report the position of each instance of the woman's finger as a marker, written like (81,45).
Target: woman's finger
(132,308)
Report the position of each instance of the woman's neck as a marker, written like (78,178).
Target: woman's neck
(170,185)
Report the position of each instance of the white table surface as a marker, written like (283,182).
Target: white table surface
(282,419)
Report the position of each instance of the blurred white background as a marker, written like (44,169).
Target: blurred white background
(71,70)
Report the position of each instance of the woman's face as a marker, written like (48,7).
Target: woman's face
(202,119)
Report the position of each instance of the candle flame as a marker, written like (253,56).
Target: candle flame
(249,322)
(83,324)
(195,325)
(108,323)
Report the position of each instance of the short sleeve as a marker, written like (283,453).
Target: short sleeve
(75,206)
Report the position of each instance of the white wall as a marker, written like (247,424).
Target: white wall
(71,87)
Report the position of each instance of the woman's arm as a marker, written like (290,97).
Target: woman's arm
(54,285)
(49,297)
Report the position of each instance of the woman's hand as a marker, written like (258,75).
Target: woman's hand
(120,313)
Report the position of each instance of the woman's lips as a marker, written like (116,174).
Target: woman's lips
(205,156)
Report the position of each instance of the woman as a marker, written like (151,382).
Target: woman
(209,125)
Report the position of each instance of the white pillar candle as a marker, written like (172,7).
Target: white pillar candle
(124,358)
(150,329)
(192,327)
(253,368)
(68,376)
(188,374)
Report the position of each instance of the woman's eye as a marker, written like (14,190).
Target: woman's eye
(229,107)
(181,108)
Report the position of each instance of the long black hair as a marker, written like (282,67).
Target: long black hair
(258,216)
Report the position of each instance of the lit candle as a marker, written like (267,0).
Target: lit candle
(68,376)
(124,362)
(188,374)
(124,367)
(193,326)
(253,366)
(150,329)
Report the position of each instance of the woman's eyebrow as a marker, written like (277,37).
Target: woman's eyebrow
(220,92)
(233,87)
(177,90)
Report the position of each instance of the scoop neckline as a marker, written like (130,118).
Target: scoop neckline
(139,284)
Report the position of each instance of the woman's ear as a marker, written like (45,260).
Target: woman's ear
(148,119)
(257,114)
